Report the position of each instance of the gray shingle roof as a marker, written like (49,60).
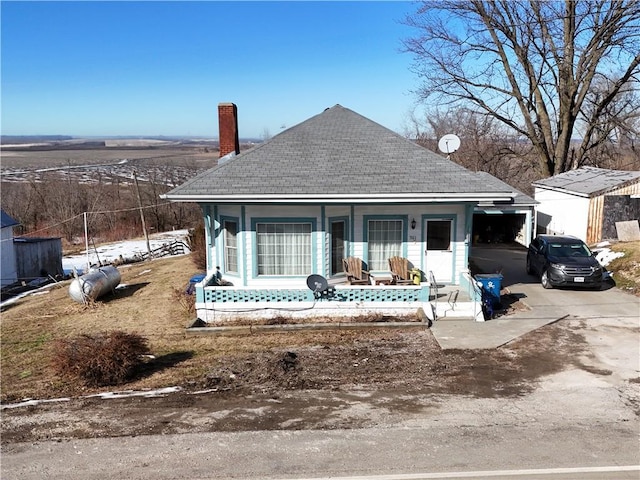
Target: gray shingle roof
(589,181)
(337,154)
(520,197)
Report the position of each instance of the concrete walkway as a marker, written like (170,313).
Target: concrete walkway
(545,306)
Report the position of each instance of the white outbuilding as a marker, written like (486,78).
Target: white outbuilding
(587,202)
(8,252)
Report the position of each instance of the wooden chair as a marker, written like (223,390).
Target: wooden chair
(399,267)
(356,275)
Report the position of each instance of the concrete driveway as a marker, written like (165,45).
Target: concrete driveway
(557,302)
(545,306)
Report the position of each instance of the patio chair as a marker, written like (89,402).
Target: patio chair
(356,275)
(399,267)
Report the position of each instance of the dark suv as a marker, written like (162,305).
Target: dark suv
(563,261)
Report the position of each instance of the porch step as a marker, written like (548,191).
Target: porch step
(452,302)
(457,311)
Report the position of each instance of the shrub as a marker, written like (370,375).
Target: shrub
(185,300)
(100,360)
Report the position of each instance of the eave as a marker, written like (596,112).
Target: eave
(565,191)
(378,198)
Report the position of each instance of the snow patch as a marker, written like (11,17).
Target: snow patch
(29,402)
(605,256)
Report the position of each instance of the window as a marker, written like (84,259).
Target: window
(284,248)
(231,246)
(439,235)
(385,241)
(338,238)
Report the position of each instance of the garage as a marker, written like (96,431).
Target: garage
(504,223)
(499,227)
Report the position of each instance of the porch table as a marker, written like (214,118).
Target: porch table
(382,279)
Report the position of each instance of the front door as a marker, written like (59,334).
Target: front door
(439,249)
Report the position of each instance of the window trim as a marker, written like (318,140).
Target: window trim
(365,235)
(223,222)
(279,220)
(451,234)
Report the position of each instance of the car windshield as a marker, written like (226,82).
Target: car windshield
(569,250)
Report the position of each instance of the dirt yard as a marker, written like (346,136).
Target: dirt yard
(287,380)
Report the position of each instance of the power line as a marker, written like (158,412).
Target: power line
(95,212)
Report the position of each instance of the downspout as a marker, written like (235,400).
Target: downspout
(325,240)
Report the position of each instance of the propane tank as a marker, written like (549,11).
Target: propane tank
(94,284)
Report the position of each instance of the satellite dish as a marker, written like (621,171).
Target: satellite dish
(449,143)
(317,283)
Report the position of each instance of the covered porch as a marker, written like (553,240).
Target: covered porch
(219,303)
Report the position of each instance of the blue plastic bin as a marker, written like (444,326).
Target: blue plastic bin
(491,286)
(193,280)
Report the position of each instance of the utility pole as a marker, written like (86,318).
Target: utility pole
(144,225)
(86,241)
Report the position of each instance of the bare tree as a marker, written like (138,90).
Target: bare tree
(486,144)
(615,131)
(531,65)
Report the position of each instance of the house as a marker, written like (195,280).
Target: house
(333,186)
(9,264)
(587,202)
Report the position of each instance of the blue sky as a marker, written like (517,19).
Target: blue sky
(161,68)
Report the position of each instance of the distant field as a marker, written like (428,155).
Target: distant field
(33,159)
(167,165)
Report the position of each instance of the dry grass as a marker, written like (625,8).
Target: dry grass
(627,269)
(148,307)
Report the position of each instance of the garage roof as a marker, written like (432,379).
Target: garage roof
(589,181)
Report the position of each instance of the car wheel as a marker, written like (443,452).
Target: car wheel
(544,279)
(529,269)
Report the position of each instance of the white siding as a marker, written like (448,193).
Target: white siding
(8,260)
(561,213)
(355,232)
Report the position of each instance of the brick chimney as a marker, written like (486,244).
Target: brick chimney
(228,125)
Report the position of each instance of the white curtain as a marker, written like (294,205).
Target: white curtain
(385,241)
(284,248)
(231,246)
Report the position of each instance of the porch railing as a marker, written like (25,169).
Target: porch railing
(341,294)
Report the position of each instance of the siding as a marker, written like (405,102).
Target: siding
(561,213)
(414,242)
(38,257)
(8,259)
(597,213)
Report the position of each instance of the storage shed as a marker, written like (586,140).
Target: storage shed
(8,260)
(587,202)
(38,257)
